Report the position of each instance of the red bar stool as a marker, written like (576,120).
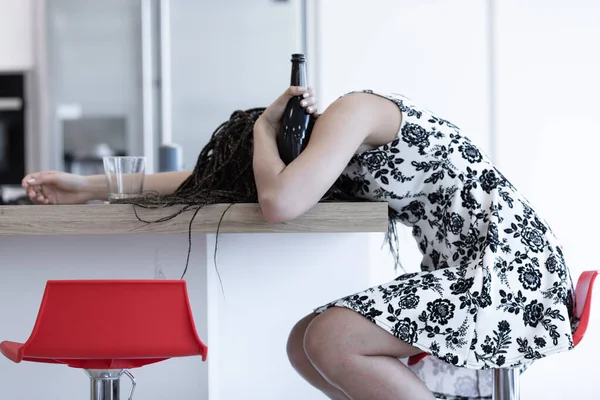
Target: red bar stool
(107,327)
(506,380)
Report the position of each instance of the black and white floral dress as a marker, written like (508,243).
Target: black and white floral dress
(493,289)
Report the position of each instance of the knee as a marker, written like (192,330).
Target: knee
(295,344)
(325,343)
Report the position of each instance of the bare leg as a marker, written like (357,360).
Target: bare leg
(301,363)
(361,359)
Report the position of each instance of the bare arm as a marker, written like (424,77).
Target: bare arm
(162,182)
(287,192)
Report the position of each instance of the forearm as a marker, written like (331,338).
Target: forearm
(267,163)
(279,186)
(164,183)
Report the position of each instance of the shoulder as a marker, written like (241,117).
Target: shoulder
(381,112)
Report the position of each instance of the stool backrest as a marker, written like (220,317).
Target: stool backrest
(583,303)
(99,319)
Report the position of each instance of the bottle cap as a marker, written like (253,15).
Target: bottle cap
(298,57)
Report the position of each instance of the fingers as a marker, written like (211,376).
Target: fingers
(308,98)
(29,180)
(32,183)
(297,91)
(310,102)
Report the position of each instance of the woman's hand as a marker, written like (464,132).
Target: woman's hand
(54,187)
(273,115)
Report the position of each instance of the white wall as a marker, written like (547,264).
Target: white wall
(227,55)
(545,102)
(431,51)
(16,35)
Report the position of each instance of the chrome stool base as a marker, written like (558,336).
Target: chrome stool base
(506,384)
(106,384)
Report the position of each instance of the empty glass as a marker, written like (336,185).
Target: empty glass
(124,176)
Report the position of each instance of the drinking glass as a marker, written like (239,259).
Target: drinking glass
(124,176)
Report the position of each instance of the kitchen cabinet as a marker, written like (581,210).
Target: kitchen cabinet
(16,35)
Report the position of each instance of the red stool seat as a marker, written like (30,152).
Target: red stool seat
(110,324)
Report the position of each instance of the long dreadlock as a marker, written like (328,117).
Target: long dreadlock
(224,174)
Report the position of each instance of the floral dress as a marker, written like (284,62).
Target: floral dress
(493,289)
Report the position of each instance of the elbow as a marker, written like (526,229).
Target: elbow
(275,209)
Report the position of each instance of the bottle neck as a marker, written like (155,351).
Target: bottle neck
(298,74)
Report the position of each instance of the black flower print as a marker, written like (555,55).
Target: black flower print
(443,152)
(450,358)
(489,180)
(470,153)
(502,268)
(408,302)
(407,276)
(559,294)
(416,231)
(363,304)
(484,299)
(468,200)
(356,184)
(540,342)
(530,277)
(376,159)
(406,330)
(415,135)
(529,352)
(437,197)
(441,310)
(532,238)
(537,224)
(552,264)
(454,223)
(435,258)
(461,286)
(399,176)
(433,119)
(506,197)
(494,347)
(533,313)
(381,193)
(416,208)
(468,245)
(381,162)
(492,237)
(409,111)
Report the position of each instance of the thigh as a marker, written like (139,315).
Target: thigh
(349,332)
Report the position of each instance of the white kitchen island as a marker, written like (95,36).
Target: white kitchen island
(272,275)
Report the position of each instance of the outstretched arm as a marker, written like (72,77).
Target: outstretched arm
(286,192)
(55,187)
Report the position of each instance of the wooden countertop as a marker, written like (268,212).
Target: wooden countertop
(240,218)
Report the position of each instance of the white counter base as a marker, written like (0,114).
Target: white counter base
(270,281)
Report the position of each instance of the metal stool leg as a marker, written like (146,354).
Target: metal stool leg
(506,384)
(106,384)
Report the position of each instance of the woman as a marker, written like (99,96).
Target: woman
(493,291)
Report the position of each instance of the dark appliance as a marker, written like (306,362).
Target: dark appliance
(12,128)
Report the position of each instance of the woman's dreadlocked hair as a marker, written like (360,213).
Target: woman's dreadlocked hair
(224,174)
